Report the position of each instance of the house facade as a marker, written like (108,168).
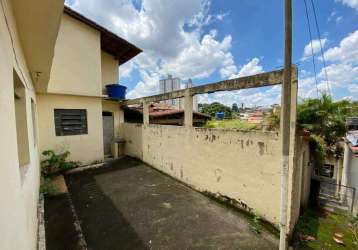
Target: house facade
(54,65)
(28,31)
(74,113)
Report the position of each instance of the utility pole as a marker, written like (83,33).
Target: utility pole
(285,123)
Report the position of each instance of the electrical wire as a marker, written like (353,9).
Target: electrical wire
(320,43)
(312,51)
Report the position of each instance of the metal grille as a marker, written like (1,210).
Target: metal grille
(337,197)
(70,121)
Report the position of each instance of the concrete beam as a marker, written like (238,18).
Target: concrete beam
(255,81)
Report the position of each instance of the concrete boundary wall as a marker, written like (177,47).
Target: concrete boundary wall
(244,166)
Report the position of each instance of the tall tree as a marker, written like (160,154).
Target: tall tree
(213,108)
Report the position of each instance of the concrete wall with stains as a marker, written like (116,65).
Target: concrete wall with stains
(237,165)
(244,166)
(300,180)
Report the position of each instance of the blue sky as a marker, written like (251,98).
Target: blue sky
(211,40)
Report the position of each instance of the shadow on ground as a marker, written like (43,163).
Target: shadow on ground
(60,224)
(128,205)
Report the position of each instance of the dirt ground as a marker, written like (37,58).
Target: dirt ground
(129,205)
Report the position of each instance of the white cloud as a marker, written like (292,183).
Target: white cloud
(126,69)
(347,51)
(171,36)
(307,52)
(342,70)
(353,88)
(251,68)
(339,19)
(200,58)
(351,3)
(250,97)
(332,15)
(341,74)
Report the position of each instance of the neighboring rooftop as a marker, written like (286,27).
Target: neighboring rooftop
(121,49)
(164,115)
(352,140)
(352,123)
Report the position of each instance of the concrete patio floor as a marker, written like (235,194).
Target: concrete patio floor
(129,205)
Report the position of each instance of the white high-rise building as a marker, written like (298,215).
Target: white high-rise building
(171,84)
(168,85)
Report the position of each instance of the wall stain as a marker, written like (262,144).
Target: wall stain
(218,173)
(261,147)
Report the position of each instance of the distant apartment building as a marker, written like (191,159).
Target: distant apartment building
(168,85)
(171,84)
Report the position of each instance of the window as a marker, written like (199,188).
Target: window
(70,122)
(327,171)
(21,121)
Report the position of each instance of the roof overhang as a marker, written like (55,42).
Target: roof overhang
(38,22)
(121,49)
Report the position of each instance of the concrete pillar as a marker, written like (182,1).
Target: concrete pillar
(188,109)
(146,113)
(345,173)
(346,164)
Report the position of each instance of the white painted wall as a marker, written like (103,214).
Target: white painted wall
(19,187)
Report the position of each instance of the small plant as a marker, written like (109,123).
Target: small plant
(47,187)
(55,163)
(256,224)
(354,229)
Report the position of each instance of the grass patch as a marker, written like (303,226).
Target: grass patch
(230,124)
(322,227)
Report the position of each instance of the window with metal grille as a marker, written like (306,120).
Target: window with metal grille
(327,171)
(70,121)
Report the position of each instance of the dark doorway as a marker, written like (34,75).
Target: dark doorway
(108,132)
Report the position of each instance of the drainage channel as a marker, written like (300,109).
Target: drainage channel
(63,230)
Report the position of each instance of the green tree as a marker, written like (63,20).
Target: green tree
(325,119)
(213,108)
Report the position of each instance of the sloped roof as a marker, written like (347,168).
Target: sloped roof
(121,49)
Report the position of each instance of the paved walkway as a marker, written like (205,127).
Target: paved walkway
(129,205)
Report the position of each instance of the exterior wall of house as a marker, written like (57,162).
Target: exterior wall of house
(19,176)
(244,166)
(300,176)
(85,148)
(109,69)
(350,173)
(77,63)
(353,181)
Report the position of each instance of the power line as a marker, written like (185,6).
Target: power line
(312,51)
(320,43)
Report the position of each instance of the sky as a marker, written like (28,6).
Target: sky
(213,40)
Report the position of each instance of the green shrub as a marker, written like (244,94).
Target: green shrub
(47,187)
(55,163)
(255,224)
